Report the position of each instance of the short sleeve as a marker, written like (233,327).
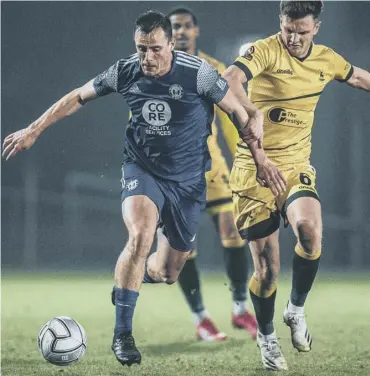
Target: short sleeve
(255,60)
(342,69)
(107,81)
(210,83)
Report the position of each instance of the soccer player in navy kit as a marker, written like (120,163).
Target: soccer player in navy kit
(171,97)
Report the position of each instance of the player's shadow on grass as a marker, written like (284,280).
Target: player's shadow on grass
(190,346)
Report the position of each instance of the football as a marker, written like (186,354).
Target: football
(62,341)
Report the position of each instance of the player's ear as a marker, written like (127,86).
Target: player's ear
(281,21)
(317,27)
(196,30)
(172,44)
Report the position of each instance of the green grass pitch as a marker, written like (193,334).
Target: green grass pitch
(338,314)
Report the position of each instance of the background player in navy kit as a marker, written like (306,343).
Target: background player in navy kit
(171,97)
(219,205)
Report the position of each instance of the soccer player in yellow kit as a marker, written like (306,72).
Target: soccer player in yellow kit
(286,72)
(219,206)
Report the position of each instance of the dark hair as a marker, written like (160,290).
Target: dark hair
(184,10)
(151,20)
(301,9)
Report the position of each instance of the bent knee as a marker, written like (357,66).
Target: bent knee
(168,278)
(266,268)
(309,235)
(262,286)
(140,241)
(267,277)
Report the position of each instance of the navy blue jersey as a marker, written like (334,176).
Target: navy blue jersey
(171,115)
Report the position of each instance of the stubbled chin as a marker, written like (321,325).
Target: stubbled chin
(149,72)
(296,52)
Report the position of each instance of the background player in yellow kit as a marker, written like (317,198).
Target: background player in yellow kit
(287,74)
(219,206)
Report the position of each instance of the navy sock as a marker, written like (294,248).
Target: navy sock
(190,285)
(236,264)
(264,309)
(304,273)
(263,299)
(125,302)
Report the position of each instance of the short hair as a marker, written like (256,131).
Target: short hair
(183,10)
(301,9)
(151,20)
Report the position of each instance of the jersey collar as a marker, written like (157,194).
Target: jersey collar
(308,54)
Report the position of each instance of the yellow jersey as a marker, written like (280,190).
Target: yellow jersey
(229,131)
(287,90)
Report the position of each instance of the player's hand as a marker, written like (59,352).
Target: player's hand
(17,141)
(269,176)
(253,131)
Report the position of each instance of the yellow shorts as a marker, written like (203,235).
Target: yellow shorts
(219,195)
(256,211)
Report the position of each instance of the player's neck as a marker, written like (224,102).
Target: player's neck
(165,69)
(305,54)
(191,50)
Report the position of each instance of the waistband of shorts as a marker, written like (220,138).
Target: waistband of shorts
(246,165)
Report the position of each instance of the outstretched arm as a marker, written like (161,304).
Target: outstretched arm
(360,79)
(235,77)
(103,84)
(69,104)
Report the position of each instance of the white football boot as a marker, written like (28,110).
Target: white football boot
(272,357)
(301,337)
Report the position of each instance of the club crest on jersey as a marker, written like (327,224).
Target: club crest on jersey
(321,75)
(176,91)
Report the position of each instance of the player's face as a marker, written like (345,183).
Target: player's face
(154,51)
(298,34)
(184,31)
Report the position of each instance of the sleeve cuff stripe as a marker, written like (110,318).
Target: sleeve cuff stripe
(218,97)
(245,69)
(349,74)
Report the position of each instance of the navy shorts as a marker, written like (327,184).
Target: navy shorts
(179,204)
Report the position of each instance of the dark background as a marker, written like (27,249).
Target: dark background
(61,201)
